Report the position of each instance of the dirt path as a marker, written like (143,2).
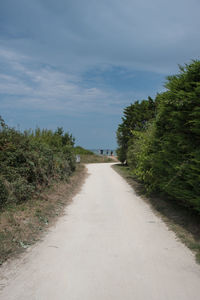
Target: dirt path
(108,246)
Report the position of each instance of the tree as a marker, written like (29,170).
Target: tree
(136,117)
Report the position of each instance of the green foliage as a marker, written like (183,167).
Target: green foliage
(31,160)
(165,154)
(139,153)
(176,145)
(136,118)
(4,190)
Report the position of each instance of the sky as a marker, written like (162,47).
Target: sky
(78,64)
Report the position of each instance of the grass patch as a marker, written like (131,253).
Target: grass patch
(185,223)
(93,158)
(21,225)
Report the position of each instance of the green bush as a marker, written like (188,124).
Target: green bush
(176,144)
(136,118)
(31,160)
(21,190)
(4,191)
(139,153)
(165,153)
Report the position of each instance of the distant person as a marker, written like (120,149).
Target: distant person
(107,152)
(101,152)
(111,152)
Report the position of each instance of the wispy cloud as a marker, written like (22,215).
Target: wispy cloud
(45,88)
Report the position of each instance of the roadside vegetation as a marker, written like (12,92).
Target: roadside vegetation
(31,161)
(159,146)
(36,169)
(160,139)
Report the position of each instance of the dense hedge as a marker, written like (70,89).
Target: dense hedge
(31,160)
(166,155)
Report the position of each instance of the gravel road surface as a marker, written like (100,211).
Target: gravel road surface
(109,245)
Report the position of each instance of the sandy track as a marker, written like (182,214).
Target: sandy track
(108,246)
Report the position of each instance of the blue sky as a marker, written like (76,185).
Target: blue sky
(78,64)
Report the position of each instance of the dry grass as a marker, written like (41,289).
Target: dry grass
(22,225)
(184,222)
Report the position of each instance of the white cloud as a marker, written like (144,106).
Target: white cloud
(45,88)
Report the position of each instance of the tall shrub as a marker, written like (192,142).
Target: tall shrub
(136,118)
(176,145)
(31,160)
